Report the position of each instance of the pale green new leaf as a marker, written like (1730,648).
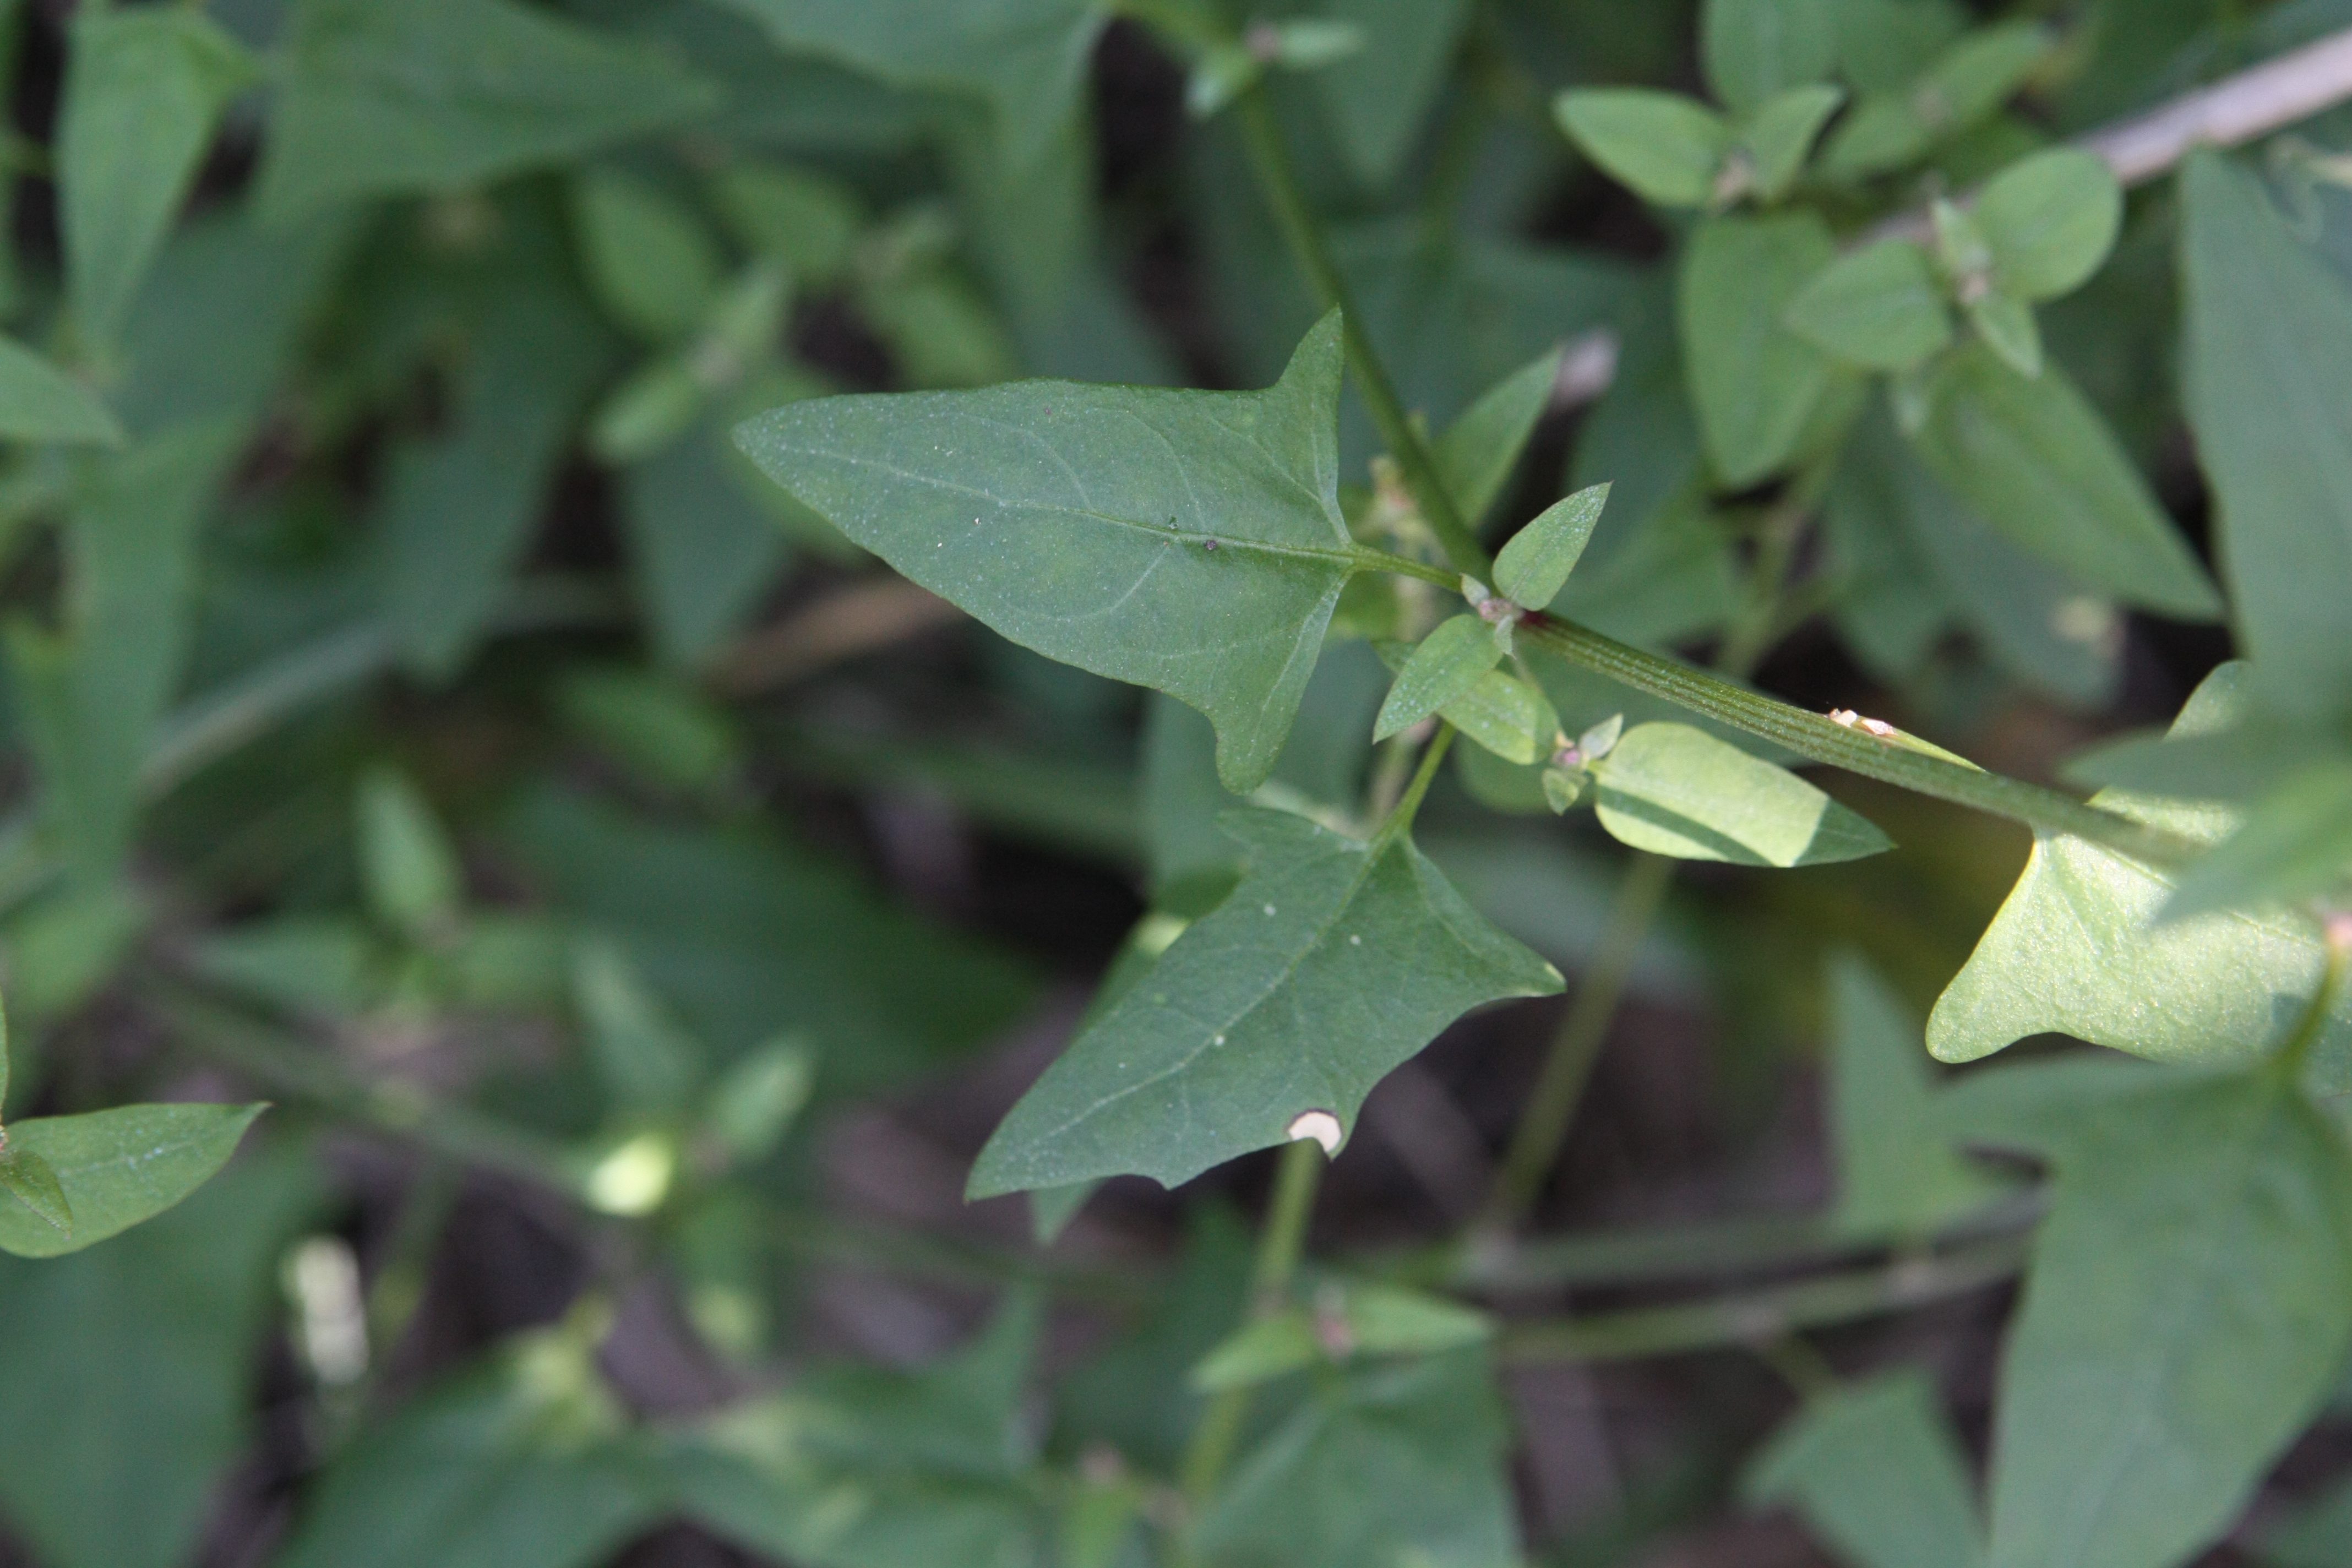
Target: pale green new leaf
(1667,148)
(2269,392)
(1401,1464)
(1754,382)
(1025,58)
(39,402)
(2006,325)
(1674,790)
(2032,457)
(144,89)
(1890,128)
(118,1167)
(1880,307)
(1875,1469)
(648,259)
(1479,450)
(2075,950)
(1897,1175)
(2189,1302)
(1186,541)
(1753,49)
(1779,135)
(1333,961)
(2050,221)
(384,97)
(410,870)
(26,1177)
(1444,666)
(1533,567)
(1506,716)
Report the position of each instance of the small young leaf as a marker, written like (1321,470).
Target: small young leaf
(1506,716)
(2050,221)
(118,1167)
(1779,135)
(386,96)
(1876,1471)
(1259,1352)
(1880,307)
(1897,1175)
(1479,450)
(1186,541)
(1445,665)
(1534,566)
(2269,394)
(1753,49)
(1334,961)
(1674,790)
(1562,789)
(2005,322)
(414,880)
(2145,1390)
(39,402)
(803,219)
(2073,950)
(27,1178)
(1667,147)
(1891,128)
(1754,382)
(648,1062)
(144,89)
(649,261)
(2033,458)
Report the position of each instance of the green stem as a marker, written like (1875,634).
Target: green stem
(1822,739)
(1270,163)
(1408,806)
(1769,1315)
(1551,1105)
(1279,1246)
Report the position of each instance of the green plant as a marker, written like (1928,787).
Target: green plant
(454,450)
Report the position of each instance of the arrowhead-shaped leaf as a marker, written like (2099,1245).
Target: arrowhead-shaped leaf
(1674,790)
(1333,961)
(2075,950)
(2031,456)
(118,1167)
(379,97)
(1191,541)
(1878,1474)
(2269,392)
(2190,1303)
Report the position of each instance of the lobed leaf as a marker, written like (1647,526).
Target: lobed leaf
(1191,541)
(1332,962)
(1674,790)
(2073,950)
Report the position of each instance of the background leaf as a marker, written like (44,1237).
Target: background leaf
(1190,541)
(1875,1468)
(1753,380)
